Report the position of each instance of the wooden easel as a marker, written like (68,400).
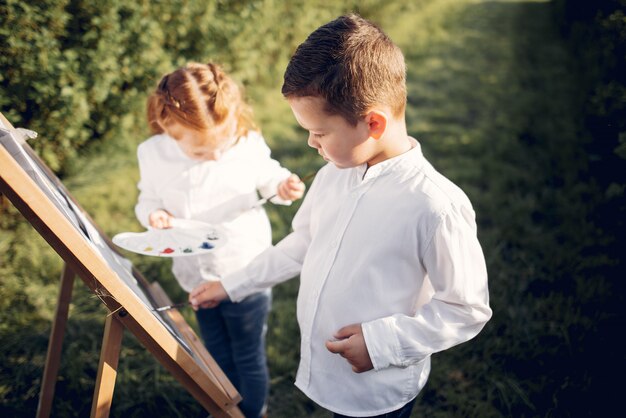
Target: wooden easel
(55,344)
(197,371)
(109,355)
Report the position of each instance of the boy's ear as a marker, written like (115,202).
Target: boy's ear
(376,123)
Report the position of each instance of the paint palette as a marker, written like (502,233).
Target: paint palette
(185,238)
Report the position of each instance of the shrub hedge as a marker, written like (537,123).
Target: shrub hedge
(80,69)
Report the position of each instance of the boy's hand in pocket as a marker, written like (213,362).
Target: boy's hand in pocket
(351,346)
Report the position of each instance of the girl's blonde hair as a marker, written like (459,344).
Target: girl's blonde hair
(200,97)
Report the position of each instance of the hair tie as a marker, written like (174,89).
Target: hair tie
(172,101)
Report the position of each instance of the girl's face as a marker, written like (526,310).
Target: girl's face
(205,146)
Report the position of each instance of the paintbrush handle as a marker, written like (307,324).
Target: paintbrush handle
(308,177)
(177,305)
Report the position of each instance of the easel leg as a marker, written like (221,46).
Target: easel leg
(53,358)
(107,370)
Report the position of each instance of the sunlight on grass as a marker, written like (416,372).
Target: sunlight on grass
(493,100)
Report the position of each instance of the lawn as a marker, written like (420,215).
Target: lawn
(497,108)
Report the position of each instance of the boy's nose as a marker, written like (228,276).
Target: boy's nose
(312,142)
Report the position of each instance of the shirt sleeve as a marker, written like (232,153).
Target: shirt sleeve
(459,307)
(270,172)
(278,263)
(148,200)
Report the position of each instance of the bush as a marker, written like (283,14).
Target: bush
(80,70)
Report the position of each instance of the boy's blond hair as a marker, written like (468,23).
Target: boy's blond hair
(199,97)
(353,65)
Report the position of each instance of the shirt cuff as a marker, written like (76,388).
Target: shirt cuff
(382,343)
(143,217)
(237,285)
(278,201)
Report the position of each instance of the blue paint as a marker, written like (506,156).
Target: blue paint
(206,246)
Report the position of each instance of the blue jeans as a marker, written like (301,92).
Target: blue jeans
(404,412)
(234,334)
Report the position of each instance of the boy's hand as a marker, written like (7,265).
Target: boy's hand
(291,189)
(160,219)
(207,295)
(351,346)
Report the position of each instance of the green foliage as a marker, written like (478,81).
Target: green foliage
(501,103)
(75,69)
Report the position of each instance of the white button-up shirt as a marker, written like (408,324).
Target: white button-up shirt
(221,193)
(394,248)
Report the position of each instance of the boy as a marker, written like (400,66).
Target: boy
(391,270)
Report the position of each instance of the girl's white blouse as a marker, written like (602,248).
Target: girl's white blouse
(221,192)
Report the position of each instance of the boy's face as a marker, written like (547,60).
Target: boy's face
(334,138)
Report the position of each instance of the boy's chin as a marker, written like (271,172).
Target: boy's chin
(343,165)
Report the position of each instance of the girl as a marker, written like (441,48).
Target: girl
(206,161)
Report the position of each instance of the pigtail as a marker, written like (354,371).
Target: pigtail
(229,100)
(155,114)
(157,103)
(221,103)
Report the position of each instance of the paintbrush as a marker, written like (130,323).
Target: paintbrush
(176,305)
(263,201)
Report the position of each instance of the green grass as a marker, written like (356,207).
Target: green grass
(497,109)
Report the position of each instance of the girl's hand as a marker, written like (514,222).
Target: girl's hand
(351,346)
(160,219)
(291,189)
(207,295)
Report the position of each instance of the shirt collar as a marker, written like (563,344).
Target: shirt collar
(413,156)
